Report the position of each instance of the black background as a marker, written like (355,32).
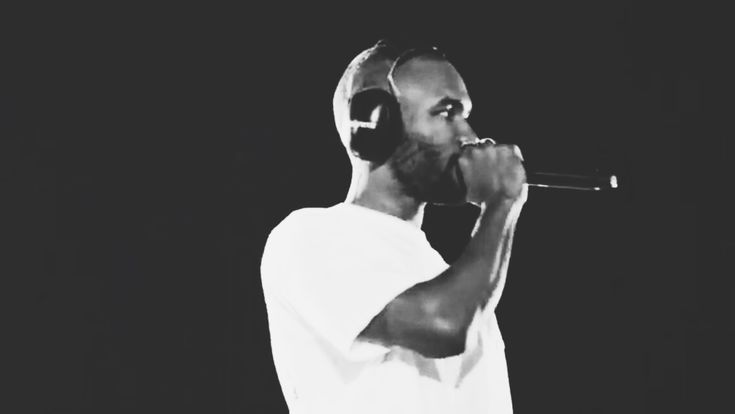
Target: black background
(147,153)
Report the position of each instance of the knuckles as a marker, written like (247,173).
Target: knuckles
(492,170)
(494,153)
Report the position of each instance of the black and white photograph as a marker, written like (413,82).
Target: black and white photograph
(496,207)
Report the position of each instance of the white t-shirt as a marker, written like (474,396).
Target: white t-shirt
(326,272)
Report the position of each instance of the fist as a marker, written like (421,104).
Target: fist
(492,173)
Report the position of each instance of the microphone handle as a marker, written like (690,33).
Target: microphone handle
(571,181)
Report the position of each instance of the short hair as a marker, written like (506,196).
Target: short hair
(370,69)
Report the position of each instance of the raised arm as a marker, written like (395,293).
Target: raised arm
(433,317)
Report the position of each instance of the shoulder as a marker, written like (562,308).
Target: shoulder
(304,230)
(301,245)
(288,239)
(299,223)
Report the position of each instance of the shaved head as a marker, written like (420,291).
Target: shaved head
(434,106)
(369,69)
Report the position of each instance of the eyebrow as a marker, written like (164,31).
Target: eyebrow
(447,101)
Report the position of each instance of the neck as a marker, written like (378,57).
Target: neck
(378,190)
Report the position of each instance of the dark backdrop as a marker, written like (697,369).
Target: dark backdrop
(146,154)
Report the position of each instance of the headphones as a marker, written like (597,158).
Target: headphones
(376,123)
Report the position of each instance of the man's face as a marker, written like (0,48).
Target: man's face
(435,106)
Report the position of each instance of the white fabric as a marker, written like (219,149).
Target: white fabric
(326,272)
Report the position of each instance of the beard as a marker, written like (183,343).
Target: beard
(426,173)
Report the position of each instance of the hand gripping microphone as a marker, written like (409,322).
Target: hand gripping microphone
(563,181)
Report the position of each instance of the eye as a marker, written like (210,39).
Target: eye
(447,112)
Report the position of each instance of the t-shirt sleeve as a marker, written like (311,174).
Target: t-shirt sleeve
(333,282)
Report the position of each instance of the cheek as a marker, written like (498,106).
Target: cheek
(416,157)
(438,140)
(431,130)
(431,161)
(429,153)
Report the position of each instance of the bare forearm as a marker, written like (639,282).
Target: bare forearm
(502,271)
(442,308)
(479,273)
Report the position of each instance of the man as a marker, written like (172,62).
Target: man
(364,315)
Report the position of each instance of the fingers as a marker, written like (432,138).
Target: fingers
(486,151)
(489,142)
(517,152)
(490,170)
(476,142)
(486,141)
(510,153)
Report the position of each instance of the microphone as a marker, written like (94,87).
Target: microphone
(557,180)
(572,181)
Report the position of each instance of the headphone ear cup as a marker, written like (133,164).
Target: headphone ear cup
(376,125)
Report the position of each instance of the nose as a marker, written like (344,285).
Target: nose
(465,133)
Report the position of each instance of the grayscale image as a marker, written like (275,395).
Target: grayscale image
(486,208)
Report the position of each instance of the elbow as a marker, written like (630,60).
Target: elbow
(450,339)
(448,327)
(428,328)
(449,347)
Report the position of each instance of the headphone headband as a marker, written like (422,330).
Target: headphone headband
(376,123)
(405,56)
